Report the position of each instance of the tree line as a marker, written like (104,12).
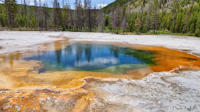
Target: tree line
(152,16)
(40,17)
(155,16)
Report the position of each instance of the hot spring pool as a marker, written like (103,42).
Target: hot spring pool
(94,57)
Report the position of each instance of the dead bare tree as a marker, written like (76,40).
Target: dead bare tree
(123,25)
(100,20)
(88,19)
(66,15)
(40,15)
(79,15)
(71,19)
(11,10)
(57,14)
(25,13)
(36,14)
(116,19)
(45,17)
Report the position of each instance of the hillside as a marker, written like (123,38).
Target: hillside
(164,16)
(137,5)
(114,4)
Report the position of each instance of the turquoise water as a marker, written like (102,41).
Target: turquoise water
(94,57)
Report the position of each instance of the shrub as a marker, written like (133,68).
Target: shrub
(197,32)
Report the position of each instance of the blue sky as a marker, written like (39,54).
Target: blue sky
(97,3)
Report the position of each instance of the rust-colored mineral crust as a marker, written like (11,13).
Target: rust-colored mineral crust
(23,89)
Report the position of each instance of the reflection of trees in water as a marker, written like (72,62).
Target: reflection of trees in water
(13,57)
(58,52)
(58,56)
(84,52)
(115,51)
(79,51)
(68,49)
(88,52)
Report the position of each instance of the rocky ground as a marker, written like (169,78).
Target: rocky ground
(159,92)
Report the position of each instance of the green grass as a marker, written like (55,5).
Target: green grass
(161,33)
(170,33)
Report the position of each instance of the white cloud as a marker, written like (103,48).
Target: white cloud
(98,61)
(1,1)
(31,2)
(101,5)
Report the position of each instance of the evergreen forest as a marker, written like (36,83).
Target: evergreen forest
(121,16)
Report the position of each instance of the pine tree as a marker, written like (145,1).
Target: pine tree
(137,25)
(197,31)
(2,16)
